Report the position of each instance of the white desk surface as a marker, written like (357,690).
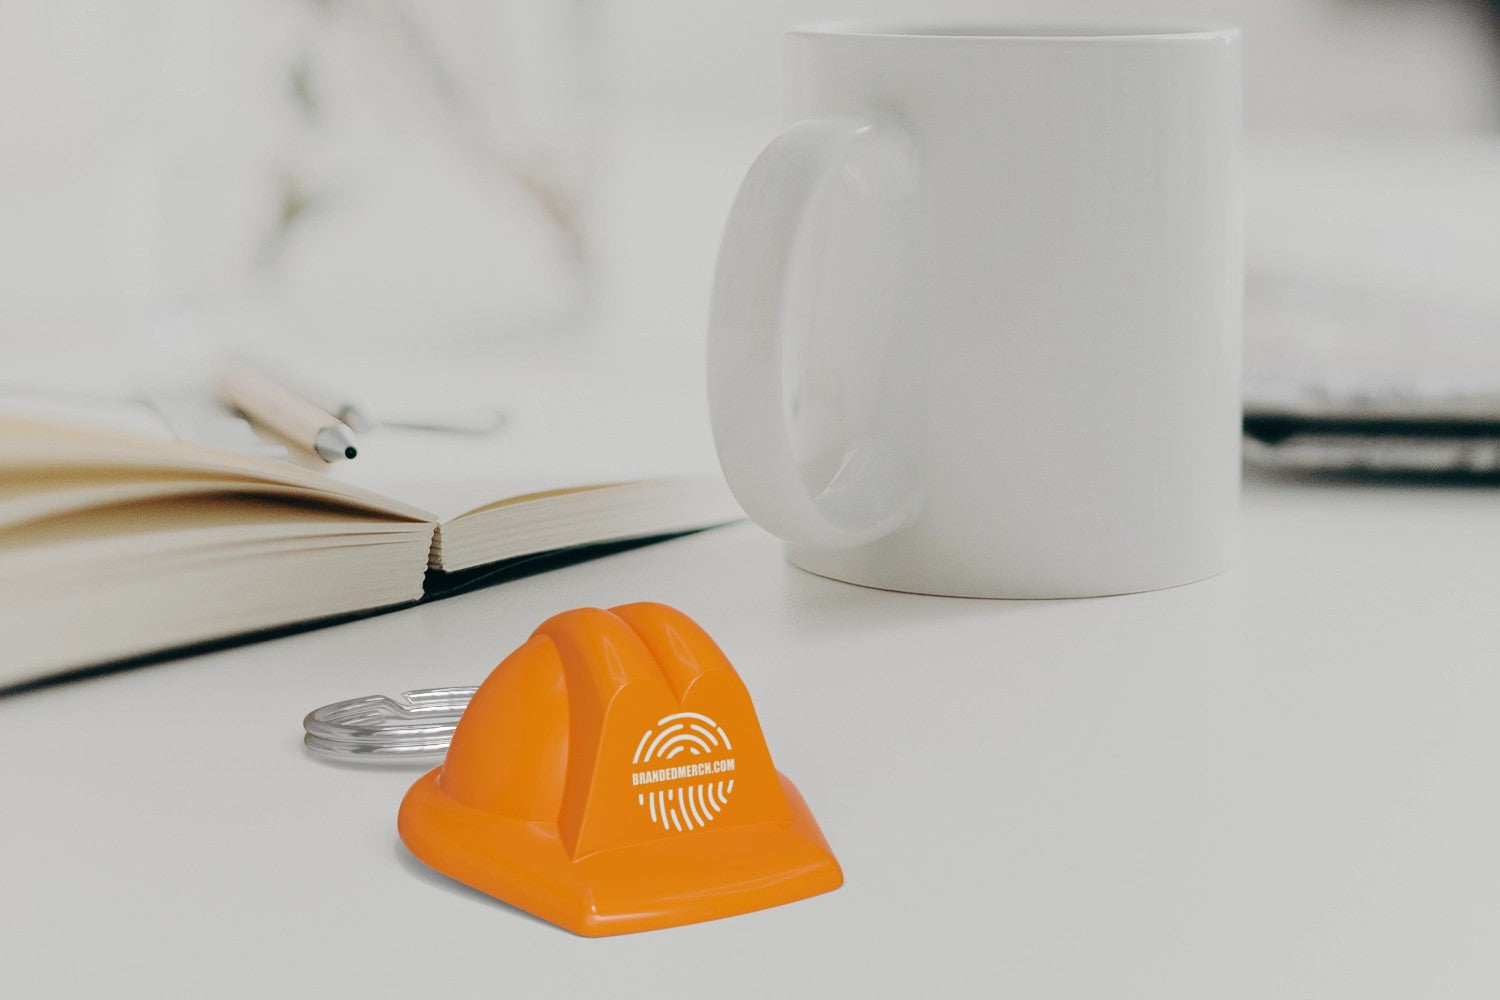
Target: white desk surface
(1283,782)
(1278,783)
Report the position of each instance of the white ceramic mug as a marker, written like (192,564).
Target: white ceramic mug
(976,321)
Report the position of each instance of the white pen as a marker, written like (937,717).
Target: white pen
(356,416)
(353,412)
(267,402)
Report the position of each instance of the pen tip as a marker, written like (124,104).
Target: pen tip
(334,443)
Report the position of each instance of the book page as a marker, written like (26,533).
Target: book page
(579,420)
(79,464)
(565,427)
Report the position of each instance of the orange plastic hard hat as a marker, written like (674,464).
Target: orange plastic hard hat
(610,776)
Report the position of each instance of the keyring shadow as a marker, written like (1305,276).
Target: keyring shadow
(373,765)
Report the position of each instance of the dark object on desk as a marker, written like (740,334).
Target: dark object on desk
(1364,379)
(611,776)
(1373,430)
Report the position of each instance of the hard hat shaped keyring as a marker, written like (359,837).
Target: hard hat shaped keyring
(611,776)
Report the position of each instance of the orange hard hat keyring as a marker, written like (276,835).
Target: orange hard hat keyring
(610,776)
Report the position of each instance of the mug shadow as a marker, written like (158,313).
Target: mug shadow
(817,604)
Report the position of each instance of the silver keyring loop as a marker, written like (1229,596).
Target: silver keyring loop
(412,726)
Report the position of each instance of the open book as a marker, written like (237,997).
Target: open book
(118,545)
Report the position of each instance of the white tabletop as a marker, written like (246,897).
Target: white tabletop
(1279,782)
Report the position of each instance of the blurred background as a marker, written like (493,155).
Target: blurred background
(436,181)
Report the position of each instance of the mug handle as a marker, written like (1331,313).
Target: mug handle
(873,492)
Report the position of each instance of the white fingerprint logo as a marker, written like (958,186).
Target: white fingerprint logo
(689,756)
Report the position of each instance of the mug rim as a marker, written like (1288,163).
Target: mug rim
(1054,30)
